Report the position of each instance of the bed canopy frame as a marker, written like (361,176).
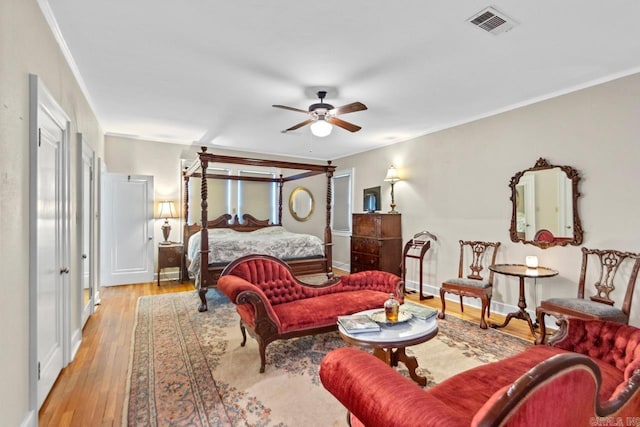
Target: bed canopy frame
(209,273)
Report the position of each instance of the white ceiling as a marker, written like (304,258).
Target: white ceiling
(206,72)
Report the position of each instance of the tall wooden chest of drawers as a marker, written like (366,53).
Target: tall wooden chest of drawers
(376,242)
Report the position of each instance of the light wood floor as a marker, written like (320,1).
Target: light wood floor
(91,390)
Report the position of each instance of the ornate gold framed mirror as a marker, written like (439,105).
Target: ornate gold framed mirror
(545,206)
(301,204)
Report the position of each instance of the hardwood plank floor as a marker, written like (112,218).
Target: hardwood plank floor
(516,327)
(91,390)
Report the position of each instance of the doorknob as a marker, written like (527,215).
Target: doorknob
(150,238)
(84,256)
(64,270)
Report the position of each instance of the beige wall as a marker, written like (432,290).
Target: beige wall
(28,46)
(456,182)
(163,160)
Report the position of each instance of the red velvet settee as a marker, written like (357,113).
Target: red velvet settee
(273,304)
(591,371)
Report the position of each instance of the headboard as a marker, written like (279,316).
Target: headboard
(248,223)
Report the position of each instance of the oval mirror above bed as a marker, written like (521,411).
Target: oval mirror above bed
(301,204)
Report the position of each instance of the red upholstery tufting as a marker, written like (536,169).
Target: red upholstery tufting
(279,285)
(273,304)
(542,386)
(614,343)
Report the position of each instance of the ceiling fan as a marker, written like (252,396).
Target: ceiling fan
(322,116)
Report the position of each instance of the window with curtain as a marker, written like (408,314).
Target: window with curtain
(341,211)
(257,198)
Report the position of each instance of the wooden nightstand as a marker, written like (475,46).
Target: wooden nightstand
(170,255)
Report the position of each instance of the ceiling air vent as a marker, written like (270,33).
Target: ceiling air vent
(492,21)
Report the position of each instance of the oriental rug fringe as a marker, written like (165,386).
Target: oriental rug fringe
(188,368)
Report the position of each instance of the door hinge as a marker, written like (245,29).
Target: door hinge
(38,371)
(39,137)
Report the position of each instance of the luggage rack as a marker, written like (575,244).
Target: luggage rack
(416,248)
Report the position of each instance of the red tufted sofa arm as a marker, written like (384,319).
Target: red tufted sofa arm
(240,292)
(374,280)
(614,343)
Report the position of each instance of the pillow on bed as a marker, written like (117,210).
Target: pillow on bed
(276,229)
(221,231)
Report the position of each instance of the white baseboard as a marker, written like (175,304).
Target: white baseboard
(76,340)
(31,420)
(496,306)
(341,266)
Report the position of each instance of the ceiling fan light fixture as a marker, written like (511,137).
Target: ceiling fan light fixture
(321,128)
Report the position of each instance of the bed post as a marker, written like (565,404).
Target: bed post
(328,250)
(204,235)
(185,225)
(280,185)
(185,207)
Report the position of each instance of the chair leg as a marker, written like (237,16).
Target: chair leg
(262,347)
(542,333)
(444,305)
(489,306)
(461,305)
(485,304)
(244,334)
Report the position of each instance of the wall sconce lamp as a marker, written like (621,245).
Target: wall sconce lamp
(392,177)
(166,210)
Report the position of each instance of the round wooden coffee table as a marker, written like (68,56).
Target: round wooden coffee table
(390,342)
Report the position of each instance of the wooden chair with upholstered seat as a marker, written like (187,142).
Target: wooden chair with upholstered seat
(481,254)
(599,306)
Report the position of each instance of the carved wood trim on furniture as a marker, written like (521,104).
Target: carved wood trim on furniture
(541,386)
(598,306)
(273,304)
(209,274)
(473,285)
(574,177)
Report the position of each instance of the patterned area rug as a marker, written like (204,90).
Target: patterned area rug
(188,369)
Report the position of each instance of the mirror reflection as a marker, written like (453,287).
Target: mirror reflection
(545,206)
(301,204)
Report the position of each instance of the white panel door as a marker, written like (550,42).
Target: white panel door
(127,227)
(86,233)
(50,240)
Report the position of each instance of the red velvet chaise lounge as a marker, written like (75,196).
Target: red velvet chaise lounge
(591,371)
(273,304)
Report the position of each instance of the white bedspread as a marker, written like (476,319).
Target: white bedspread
(226,245)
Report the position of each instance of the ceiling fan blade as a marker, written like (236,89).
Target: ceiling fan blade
(349,108)
(299,125)
(291,108)
(344,125)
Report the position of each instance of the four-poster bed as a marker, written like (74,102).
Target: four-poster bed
(206,271)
